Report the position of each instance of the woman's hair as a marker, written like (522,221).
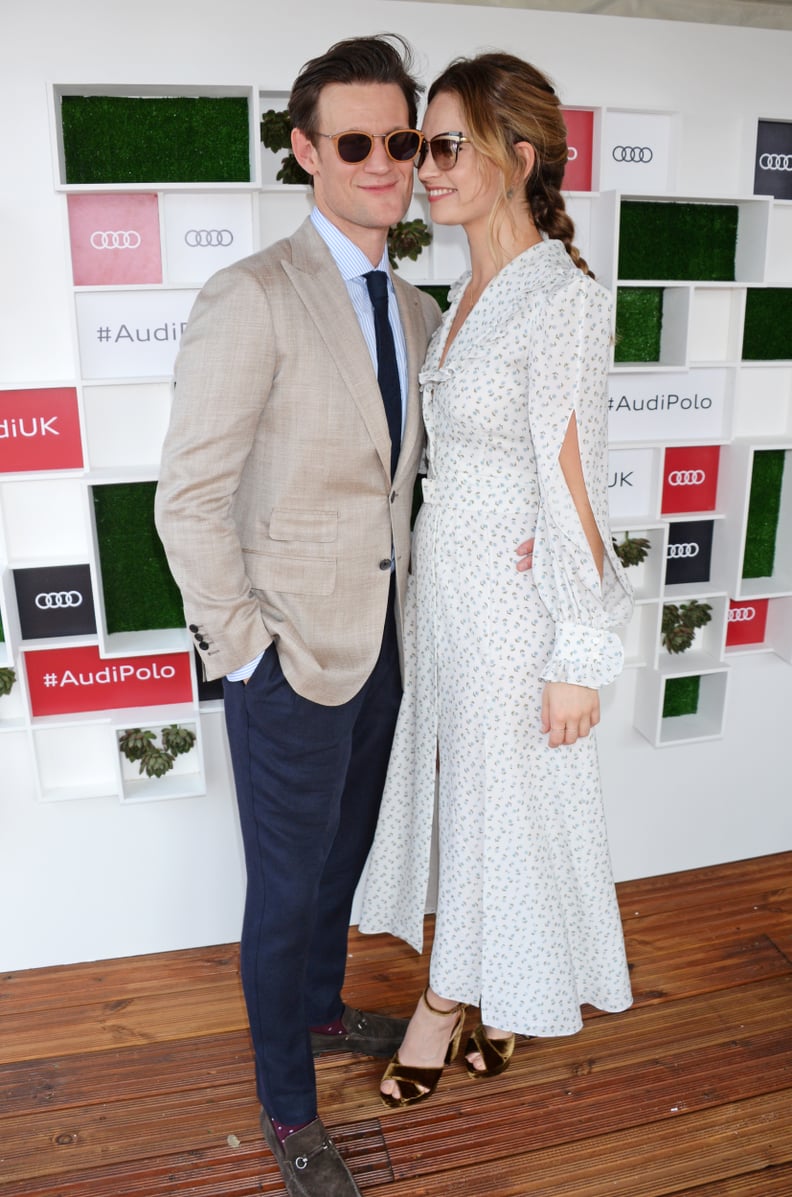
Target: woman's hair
(506,100)
(383,58)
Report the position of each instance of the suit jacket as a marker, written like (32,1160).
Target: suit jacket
(275,503)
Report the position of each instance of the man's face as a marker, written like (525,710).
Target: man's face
(362,199)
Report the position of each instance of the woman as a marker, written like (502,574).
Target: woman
(504,663)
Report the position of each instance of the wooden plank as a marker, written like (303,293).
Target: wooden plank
(645,1161)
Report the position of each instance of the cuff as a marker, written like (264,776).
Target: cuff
(584,656)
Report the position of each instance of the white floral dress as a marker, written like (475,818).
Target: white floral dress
(527,923)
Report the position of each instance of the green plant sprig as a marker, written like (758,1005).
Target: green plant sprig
(632,550)
(155,759)
(679,623)
(7,679)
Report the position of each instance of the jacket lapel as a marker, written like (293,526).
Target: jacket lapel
(317,282)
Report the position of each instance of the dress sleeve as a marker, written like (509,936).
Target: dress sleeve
(567,373)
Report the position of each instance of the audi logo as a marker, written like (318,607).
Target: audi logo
(58,598)
(632,153)
(690,549)
(741,614)
(117,239)
(201,238)
(775,162)
(686,478)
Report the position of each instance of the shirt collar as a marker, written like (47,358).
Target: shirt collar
(348,257)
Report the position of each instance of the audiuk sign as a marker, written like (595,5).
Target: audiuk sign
(40,430)
(687,405)
(64,681)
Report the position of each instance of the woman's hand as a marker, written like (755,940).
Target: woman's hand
(568,712)
(525,555)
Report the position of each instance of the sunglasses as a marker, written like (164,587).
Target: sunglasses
(354,147)
(445,150)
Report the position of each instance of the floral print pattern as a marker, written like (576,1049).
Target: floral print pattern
(527,923)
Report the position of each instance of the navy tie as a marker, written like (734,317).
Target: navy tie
(387,369)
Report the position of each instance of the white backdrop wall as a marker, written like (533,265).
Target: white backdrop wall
(91,879)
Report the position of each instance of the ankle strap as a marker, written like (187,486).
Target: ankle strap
(458,1008)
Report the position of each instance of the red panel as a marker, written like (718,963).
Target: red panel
(690,479)
(40,430)
(580,139)
(63,681)
(115,239)
(746,622)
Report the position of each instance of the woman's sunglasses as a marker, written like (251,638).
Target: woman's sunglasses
(445,150)
(354,147)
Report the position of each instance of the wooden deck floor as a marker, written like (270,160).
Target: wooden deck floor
(133,1078)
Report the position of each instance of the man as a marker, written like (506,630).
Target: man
(284,506)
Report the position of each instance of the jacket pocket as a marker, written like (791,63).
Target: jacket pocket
(291,575)
(319,527)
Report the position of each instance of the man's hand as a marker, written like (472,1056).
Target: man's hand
(525,555)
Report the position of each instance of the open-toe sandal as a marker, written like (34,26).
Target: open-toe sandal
(416,1084)
(496,1053)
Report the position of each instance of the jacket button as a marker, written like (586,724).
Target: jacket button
(193,627)
(385,563)
(203,644)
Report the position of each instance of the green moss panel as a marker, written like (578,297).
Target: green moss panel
(767,334)
(136,139)
(438,293)
(681,696)
(639,324)
(139,591)
(677,241)
(764,505)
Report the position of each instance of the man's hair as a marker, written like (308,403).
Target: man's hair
(357,60)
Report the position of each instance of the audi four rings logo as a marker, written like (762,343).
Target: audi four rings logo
(741,614)
(632,153)
(686,478)
(59,598)
(775,162)
(117,239)
(201,238)
(682,550)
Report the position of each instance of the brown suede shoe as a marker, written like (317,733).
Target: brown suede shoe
(367,1034)
(309,1163)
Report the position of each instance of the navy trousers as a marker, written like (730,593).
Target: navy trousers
(309,781)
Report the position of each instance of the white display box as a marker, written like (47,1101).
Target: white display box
(74,759)
(737,463)
(634,484)
(637,151)
(705,724)
(671,407)
(639,637)
(779,243)
(763,401)
(281,211)
(186,778)
(125,425)
(44,522)
(707,650)
(203,232)
(716,321)
(130,334)
(647,578)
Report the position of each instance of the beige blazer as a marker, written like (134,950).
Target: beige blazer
(275,503)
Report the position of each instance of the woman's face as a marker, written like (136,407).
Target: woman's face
(466,193)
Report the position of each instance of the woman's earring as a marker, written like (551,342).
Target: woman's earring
(510,193)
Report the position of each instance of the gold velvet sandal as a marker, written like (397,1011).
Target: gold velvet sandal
(496,1053)
(416,1084)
